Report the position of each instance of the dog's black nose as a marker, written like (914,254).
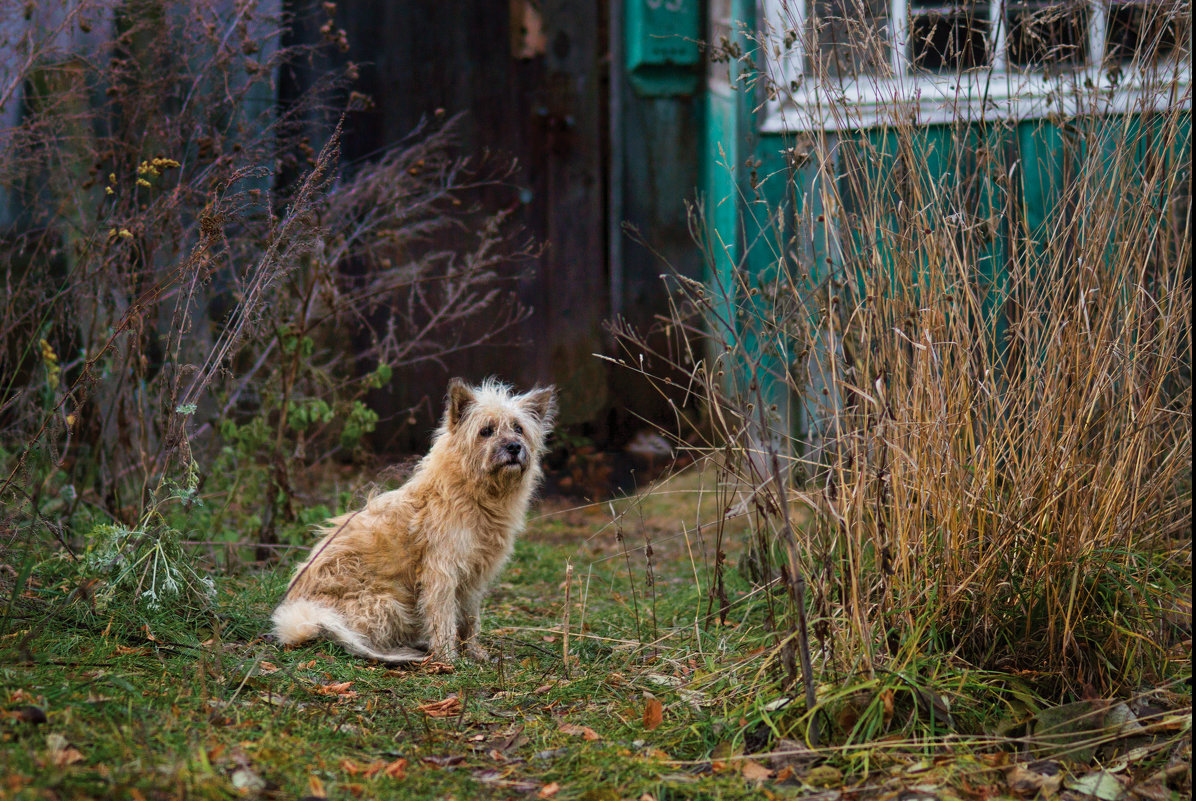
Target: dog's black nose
(514,448)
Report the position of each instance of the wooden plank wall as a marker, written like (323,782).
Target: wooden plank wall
(533,78)
(539,98)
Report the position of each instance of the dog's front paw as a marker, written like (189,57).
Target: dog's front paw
(477,653)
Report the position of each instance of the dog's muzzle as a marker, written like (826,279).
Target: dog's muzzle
(511,455)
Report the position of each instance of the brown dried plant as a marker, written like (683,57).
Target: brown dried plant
(182,249)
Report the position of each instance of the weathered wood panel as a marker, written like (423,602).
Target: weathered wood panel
(538,97)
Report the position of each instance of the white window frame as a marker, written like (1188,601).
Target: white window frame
(989,93)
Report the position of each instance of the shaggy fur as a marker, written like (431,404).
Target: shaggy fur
(408,571)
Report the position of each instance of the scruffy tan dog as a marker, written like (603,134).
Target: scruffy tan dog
(408,571)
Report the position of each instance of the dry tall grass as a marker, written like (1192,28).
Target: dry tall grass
(989,416)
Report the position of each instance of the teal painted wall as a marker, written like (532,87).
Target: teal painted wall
(779,202)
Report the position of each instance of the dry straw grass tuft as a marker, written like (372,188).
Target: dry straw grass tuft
(988,415)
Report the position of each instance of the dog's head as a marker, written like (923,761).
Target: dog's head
(496,434)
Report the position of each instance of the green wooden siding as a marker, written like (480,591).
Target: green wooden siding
(1045,157)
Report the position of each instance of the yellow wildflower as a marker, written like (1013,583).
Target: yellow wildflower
(51,360)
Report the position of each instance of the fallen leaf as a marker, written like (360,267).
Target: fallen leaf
(1030,780)
(247,782)
(396,769)
(266,667)
(337,688)
(886,701)
(350,767)
(755,772)
(549,790)
(441,709)
(372,769)
(663,680)
(446,761)
(653,713)
(67,756)
(823,776)
(1099,784)
(315,787)
(584,731)
(62,753)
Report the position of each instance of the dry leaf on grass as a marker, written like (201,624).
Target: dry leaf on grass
(445,760)
(653,713)
(372,769)
(62,753)
(266,667)
(396,769)
(246,781)
(549,790)
(441,709)
(337,688)
(755,772)
(584,731)
(315,787)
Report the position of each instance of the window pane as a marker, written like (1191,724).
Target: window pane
(1047,33)
(948,38)
(1144,31)
(848,38)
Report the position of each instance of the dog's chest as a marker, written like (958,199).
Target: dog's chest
(474,553)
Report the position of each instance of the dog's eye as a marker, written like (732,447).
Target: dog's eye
(518,429)
(487,431)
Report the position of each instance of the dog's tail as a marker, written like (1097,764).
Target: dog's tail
(299,620)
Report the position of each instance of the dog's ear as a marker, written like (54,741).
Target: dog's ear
(541,402)
(460,396)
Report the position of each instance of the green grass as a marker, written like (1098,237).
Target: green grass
(208,708)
